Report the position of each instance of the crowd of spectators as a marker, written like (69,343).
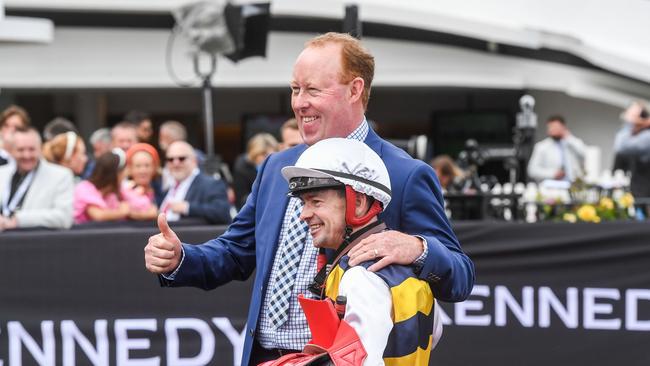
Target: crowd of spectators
(53,180)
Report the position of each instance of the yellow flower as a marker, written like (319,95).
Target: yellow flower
(607,203)
(588,213)
(569,217)
(627,200)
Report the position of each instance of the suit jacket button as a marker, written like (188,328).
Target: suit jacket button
(251,332)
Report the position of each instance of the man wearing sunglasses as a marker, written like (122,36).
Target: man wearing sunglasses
(192,193)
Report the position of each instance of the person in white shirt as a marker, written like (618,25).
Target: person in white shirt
(560,156)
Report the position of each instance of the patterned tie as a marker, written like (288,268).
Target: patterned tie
(292,247)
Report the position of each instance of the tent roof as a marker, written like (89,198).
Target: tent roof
(609,34)
(20,29)
(596,49)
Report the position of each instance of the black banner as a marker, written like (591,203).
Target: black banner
(556,294)
(553,293)
(83,297)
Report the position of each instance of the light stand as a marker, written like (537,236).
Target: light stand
(218,27)
(523,138)
(212,164)
(208,117)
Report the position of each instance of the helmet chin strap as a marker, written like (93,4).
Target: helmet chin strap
(350,203)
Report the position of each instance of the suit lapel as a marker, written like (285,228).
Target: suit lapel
(374,142)
(191,190)
(34,189)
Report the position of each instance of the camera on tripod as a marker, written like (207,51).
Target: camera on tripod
(470,159)
(472,156)
(523,138)
(514,157)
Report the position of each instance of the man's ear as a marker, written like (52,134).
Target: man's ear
(361,204)
(356,89)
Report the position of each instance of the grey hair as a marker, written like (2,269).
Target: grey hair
(101,135)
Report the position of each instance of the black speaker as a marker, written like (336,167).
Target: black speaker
(249,27)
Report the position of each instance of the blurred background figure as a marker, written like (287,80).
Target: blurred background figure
(173,131)
(100,141)
(258,148)
(68,150)
(143,125)
(170,131)
(99,198)
(632,147)
(11,118)
(193,194)
(58,126)
(449,174)
(560,156)
(33,192)
(143,165)
(124,135)
(290,134)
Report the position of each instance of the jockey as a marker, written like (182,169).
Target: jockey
(388,316)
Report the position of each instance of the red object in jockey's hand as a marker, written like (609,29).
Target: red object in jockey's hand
(347,349)
(322,319)
(334,341)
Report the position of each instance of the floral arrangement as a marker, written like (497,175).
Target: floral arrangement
(583,203)
(607,209)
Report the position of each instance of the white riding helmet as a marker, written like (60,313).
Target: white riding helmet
(337,162)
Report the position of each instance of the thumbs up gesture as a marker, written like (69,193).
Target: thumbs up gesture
(163,251)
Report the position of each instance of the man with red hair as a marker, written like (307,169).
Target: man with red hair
(330,90)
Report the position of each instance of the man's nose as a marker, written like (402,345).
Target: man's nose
(305,214)
(300,101)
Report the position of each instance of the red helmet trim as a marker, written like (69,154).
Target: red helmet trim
(350,219)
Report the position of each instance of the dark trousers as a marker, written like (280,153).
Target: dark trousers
(260,354)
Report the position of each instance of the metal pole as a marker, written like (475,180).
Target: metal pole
(208,117)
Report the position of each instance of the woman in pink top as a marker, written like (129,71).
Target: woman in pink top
(142,164)
(99,198)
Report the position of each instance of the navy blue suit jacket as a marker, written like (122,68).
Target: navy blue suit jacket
(416,208)
(208,199)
